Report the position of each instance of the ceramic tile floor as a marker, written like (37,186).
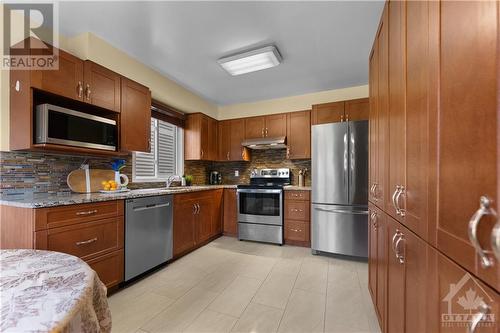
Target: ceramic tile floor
(233,286)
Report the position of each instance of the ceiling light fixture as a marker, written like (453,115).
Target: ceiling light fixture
(251,61)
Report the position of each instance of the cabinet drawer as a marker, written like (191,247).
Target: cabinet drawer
(89,239)
(53,217)
(297,210)
(109,268)
(296,231)
(297,195)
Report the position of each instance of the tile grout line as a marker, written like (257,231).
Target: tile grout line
(289,296)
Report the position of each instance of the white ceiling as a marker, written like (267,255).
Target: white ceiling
(325,45)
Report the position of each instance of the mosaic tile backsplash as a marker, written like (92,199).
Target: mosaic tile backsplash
(35,173)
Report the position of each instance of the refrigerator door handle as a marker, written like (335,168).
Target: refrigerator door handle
(355,212)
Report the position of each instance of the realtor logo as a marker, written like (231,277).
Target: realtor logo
(465,303)
(29,39)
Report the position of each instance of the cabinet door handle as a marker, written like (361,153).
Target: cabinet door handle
(262,132)
(401,192)
(92,240)
(88,92)
(267,132)
(495,240)
(484,309)
(393,244)
(484,209)
(341,118)
(88,212)
(199,208)
(400,256)
(202,153)
(80,89)
(194,209)
(227,156)
(394,204)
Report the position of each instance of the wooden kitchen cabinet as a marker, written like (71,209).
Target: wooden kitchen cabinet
(230,212)
(357,109)
(200,138)
(297,224)
(231,134)
(327,113)
(298,135)
(197,219)
(265,126)
(468,163)
(67,80)
(135,116)
(101,86)
(378,122)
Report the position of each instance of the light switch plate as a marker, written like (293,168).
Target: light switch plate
(236,173)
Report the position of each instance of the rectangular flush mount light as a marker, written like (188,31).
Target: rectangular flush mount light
(251,61)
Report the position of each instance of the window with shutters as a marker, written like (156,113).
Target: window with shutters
(166,156)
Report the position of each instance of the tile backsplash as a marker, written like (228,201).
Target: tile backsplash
(35,173)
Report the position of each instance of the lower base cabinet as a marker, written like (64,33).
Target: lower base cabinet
(297,224)
(109,267)
(417,289)
(230,212)
(197,219)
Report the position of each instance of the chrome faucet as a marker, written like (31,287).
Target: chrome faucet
(171,179)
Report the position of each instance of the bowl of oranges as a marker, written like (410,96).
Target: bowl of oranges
(111,186)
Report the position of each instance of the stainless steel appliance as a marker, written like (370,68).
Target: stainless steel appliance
(215,178)
(340,188)
(260,206)
(265,143)
(58,125)
(148,234)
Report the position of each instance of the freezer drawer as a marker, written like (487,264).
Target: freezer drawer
(340,229)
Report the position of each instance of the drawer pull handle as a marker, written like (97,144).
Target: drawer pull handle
(484,209)
(297,210)
(89,212)
(92,240)
(296,230)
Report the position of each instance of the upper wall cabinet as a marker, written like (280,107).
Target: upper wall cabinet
(298,135)
(200,138)
(265,126)
(356,109)
(101,86)
(66,81)
(135,116)
(231,134)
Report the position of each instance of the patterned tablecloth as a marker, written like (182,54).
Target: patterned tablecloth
(46,291)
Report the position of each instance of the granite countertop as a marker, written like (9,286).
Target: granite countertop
(52,200)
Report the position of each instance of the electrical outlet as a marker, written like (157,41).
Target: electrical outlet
(236,173)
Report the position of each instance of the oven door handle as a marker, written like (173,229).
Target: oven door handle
(244,190)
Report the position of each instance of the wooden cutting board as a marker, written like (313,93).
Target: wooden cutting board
(77,182)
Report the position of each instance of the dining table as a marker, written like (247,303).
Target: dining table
(46,291)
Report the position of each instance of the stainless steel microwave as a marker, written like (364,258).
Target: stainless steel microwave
(58,125)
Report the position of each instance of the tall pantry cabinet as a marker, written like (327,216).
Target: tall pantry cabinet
(434,165)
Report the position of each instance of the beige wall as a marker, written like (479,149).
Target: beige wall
(291,103)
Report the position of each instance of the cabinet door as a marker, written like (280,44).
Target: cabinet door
(357,109)
(396,157)
(184,231)
(66,81)
(372,251)
(298,136)
(224,138)
(192,137)
(456,299)
(217,212)
(102,86)
(212,140)
(469,125)
(230,213)
(255,127)
(238,153)
(373,123)
(204,217)
(327,113)
(204,137)
(135,116)
(382,257)
(275,125)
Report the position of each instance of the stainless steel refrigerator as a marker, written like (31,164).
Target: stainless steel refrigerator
(340,188)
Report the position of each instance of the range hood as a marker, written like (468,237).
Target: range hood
(265,143)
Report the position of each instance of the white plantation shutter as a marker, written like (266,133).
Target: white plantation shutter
(163,160)
(144,163)
(167,145)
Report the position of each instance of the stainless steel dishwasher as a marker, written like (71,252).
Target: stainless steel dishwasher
(148,233)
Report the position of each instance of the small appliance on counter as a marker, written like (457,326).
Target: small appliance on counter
(215,178)
(260,206)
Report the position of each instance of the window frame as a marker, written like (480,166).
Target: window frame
(179,156)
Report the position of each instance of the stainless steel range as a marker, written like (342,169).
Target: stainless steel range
(260,206)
